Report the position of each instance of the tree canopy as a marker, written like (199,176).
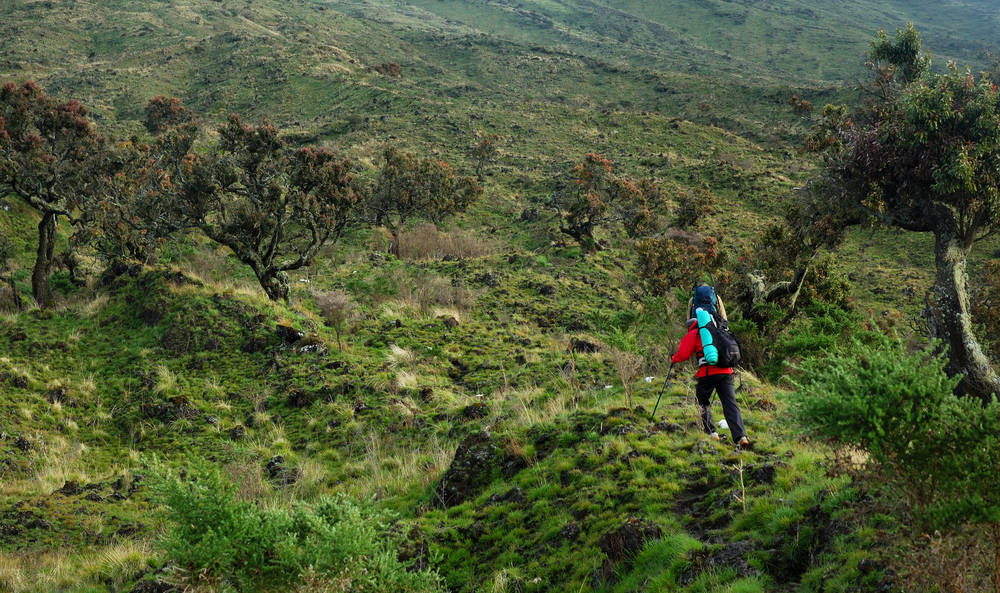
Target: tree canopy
(922,154)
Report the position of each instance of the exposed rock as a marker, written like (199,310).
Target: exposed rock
(763,474)
(288,334)
(18,519)
(732,556)
(476,410)
(570,532)
(583,346)
(668,427)
(237,433)
(23,444)
(152,586)
(514,495)
(310,344)
(279,473)
(19,381)
(58,394)
(300,398)
(70,488)
(703,448)
(479,459)
(621,545)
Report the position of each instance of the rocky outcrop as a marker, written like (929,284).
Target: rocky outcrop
(621,545)
(479,460)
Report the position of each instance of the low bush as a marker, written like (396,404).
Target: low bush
(938,452)
(337,543)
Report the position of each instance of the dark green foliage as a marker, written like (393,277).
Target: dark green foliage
(591,196)
(902,58)
(679,259)
(47,148)
(692,206)
(937,452)
(213,535)
(921,156)
(900,408)
(273,207)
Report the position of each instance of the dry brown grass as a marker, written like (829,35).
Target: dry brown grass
(426,242)
(628,365)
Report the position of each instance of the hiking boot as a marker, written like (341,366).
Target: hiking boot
(745,443)
(715,437)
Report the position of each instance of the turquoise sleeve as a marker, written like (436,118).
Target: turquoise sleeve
(707,347)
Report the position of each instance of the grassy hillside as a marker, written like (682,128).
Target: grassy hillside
(475,390)
(178,364)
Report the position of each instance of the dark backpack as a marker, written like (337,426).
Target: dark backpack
(704,298)
(719,348)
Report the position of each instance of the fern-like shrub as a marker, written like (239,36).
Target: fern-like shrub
(336,544)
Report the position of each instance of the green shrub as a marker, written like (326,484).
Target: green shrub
(213,535)
(940,452)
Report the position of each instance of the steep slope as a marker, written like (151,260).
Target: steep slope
(308,64)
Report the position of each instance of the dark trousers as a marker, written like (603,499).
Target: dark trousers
(723,384)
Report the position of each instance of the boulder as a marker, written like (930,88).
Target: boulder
(310,344)
(476,410)
(731,556)
(763,474)
(583,346)
(70,488)
(479,459)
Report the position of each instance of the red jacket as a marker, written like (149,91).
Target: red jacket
(691,345)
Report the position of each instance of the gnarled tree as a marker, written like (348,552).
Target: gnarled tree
(273,207)
(46,148)
(409,187)
(923,156)
(136,207)
(592,196)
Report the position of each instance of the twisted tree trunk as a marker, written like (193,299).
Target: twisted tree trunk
(275,284)
(40,287)
(950,319)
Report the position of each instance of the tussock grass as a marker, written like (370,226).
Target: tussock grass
(54,570)
(166,380)
(399,356)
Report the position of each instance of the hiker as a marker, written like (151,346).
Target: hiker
(711,378)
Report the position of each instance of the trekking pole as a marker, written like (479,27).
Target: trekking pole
(665,381)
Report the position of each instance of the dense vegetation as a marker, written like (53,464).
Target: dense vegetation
(383,300)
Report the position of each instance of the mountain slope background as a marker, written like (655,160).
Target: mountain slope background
(491,336)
